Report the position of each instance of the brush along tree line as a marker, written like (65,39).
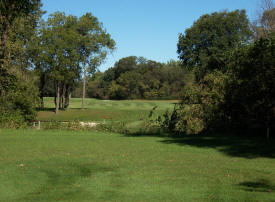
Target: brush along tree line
(234,75)
(226,78)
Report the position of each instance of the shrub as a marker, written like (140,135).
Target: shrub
(18,100)
(200,107)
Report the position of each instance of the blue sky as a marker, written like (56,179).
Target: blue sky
(147,28)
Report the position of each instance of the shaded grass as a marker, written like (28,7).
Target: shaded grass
(261,185)
(86,166)
(232,145)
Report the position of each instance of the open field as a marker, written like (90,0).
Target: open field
(62,165)
(84,166)
(131,112)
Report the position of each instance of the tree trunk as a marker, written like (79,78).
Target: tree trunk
(60,101)
(83,88)
(41,89)
(57,97)
(68,95)
(64,94)
(41,101)
(62,97)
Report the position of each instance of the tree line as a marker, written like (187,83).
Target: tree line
(137,78)
(224,76)
(234,75)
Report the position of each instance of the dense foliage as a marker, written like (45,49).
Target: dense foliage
(249,98)
(138,78)
(236,91)
(18,90)
(205,45)
(67,47)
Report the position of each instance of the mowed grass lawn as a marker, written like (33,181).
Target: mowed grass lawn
(95,110)
(88,166)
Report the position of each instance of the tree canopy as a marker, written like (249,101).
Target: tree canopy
(9,12)
(138,78)
(18,92)
(234,85)
(71,46)
(204,46)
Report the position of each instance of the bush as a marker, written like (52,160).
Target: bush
(240,99)
(18,100)
(250,93)
(200,107)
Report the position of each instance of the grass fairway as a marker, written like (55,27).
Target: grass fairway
(95,110)
(85,166)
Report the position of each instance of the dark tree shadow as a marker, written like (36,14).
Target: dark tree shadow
(232,145)
(51,109)
(46,109)
(151,133)
(260,185)
(62,181)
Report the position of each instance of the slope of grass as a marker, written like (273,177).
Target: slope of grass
(95,110)
(85,166)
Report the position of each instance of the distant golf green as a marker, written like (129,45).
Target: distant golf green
(95,110)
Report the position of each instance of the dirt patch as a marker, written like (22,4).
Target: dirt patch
(89,124)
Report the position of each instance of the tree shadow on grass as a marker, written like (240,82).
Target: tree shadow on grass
(51,109)
(232,145)
(46,109)
(62,182)
(153,132)
(260,185)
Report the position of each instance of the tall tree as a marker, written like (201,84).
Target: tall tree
(204,46)
(9,11)
(265,22)
(18,93)
(72,45)
(59,41)
(250,94)
(95,44)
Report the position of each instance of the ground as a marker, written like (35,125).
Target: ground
(62,165)
(114,110)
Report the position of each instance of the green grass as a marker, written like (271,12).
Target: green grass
(95,110)
(131,112)
(58,165)
(85,166)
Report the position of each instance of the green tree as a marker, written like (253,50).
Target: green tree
(136,77)
(94,88)
(94,45)
(204,46)
(60,59)
(250,94)
(18,93)
(9,12)
(205,49)
(265,22)
(130,81)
